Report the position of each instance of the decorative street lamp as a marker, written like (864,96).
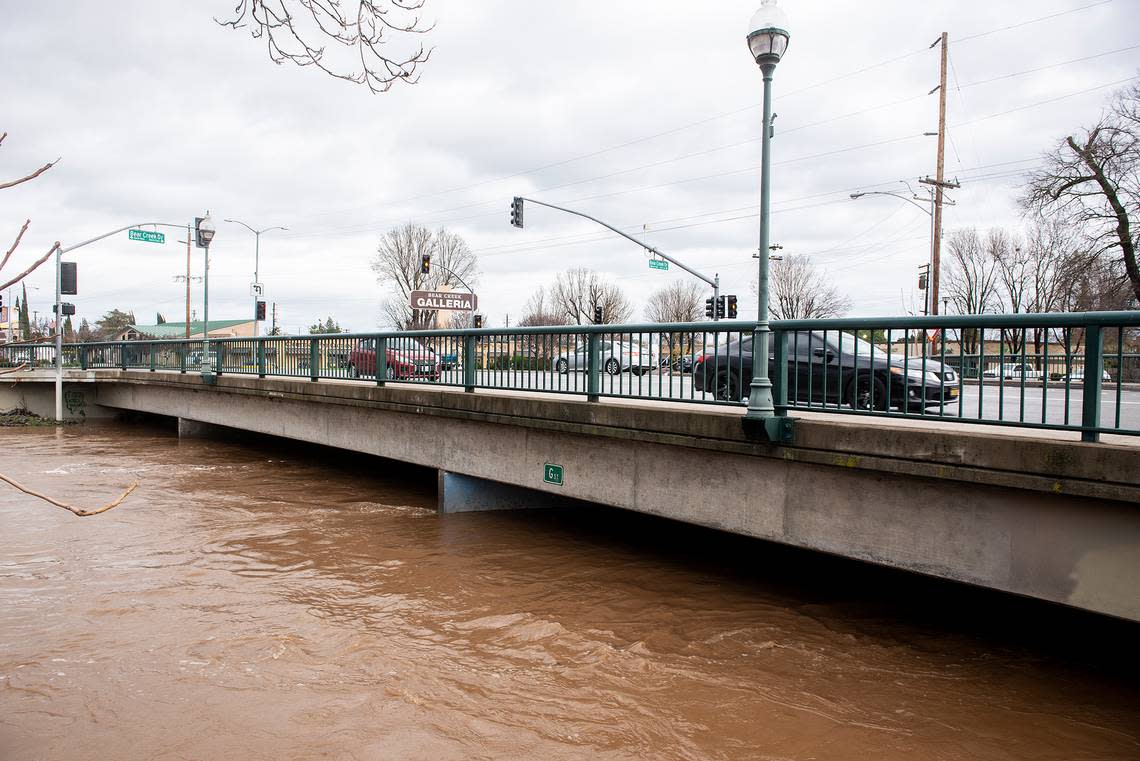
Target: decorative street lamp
(256,260)
(767,40)
(206,230)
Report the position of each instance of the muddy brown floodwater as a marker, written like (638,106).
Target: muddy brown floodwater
(255,601)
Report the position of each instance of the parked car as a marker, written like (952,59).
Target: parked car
(1012,371)
(616,357)
(407,359)
(835,369)
(449,361)
(1078,376)
(683,364)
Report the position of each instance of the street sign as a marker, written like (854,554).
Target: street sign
(146,236)
(552,474)
(658,264)
(444,300)
(256,289)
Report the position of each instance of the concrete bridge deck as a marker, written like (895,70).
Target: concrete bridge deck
(1029,513)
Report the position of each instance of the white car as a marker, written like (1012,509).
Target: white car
(1013,371)
(616,357)
(1078,376)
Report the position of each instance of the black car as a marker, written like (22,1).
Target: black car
(835,369)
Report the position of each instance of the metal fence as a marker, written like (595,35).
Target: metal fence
(1051,371)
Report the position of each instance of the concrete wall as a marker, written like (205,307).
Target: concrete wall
(1049,519)
(39,398)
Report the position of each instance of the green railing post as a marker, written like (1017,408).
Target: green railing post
(123,354)
(780,373)
(82,357)
(182,358)
(314,360)
(469,363)
(381,361)
(260,357)
(1090,395)
(593,367)
(150,351)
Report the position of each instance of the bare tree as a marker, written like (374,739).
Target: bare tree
(798,291)
(1056,259)
(300,31)
(577,292)
(971,281)
(24,228)
(1013,282)
(539,310)
(677,302)
(397,266)
(1093,183)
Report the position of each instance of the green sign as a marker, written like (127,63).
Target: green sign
(658,264)
(552,474)
(146,236)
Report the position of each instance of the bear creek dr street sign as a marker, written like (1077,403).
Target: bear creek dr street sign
(146,236)
(445,300)
(658,264)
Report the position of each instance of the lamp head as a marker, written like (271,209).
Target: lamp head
(768,34)
(206,229)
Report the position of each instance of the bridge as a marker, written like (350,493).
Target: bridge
(1028,485)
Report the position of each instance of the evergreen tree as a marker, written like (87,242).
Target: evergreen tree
(68,330)
(25,320)
(84,330)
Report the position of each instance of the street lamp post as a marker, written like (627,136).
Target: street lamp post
(206,232)
(767,41)
(256,260)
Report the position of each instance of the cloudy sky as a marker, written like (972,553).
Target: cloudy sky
(645,114)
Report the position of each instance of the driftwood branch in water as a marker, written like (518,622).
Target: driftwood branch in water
(15,369)
(77,510)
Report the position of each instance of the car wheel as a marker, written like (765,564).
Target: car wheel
(859,393)
(562,366)
(390,373)
(637,370)
(727,387)
(613,367)
(353,372)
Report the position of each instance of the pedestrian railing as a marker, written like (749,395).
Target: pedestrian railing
(1051,371)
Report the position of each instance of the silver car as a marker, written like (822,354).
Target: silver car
(616,357)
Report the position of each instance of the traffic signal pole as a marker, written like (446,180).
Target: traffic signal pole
(714,281)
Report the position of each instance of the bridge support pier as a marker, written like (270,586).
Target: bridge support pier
(468,494)
(195,429)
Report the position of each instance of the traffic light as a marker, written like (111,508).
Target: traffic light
(731,307)
(477,321)
(598,315)
(922,282)
(720,308)
(425,264)
(517,212)
(259,312)
(709,308)
(67,309)
(68,278)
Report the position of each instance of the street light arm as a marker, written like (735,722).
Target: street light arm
(457,277)
(255,232)
(644,245)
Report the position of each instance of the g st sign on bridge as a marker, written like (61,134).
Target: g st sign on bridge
(447,301)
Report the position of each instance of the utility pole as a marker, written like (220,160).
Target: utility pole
(939,181)
(188,244)
(274,329)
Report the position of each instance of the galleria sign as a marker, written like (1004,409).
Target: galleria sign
(444,301)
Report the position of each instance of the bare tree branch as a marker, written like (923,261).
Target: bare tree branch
(799,291)
(32,176)
(32,268)
(15,244)
(299,31)
(81,512)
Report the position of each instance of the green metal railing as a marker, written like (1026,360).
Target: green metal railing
(1068,372)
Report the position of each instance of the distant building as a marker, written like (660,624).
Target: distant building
(169,330)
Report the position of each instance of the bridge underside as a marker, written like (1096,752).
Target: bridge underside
(1054,520)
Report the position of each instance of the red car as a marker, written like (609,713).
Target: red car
(408,359)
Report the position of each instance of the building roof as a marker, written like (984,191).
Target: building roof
(178,329)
